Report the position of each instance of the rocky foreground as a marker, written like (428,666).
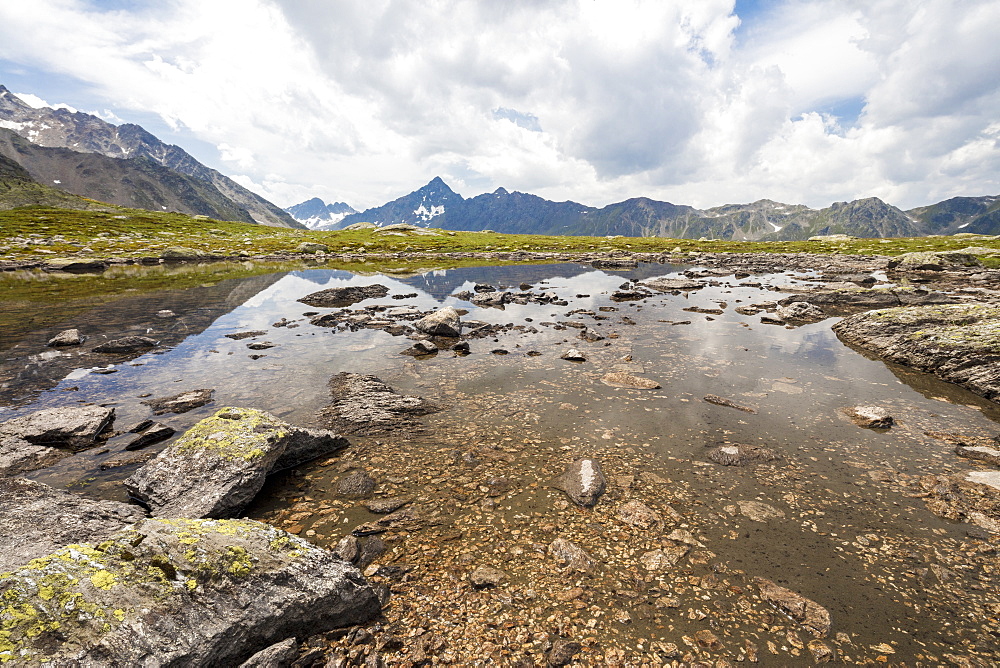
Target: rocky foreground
(426,542)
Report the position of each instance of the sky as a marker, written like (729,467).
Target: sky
(700,102)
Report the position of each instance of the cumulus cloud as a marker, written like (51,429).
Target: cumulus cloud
(811,101)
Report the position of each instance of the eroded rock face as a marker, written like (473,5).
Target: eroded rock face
(178,592)
(583,482)
(363,404)
(218,466)
(69,427)
(957,343)
(38,519)
(339,297)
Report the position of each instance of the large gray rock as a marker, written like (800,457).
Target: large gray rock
(583,481)
(957,343)
(218,466)
(178,593)
(17,456)
(340,297)
(38,519)
(934,261)
(443,322)
(68,337)
(68,427)
(363,404)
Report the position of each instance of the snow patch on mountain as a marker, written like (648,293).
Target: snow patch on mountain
(426,214)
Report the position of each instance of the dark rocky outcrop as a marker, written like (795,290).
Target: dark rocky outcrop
(178,592)
(218,466)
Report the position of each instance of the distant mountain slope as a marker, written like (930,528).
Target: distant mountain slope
(318,215)
(17,188)
(138,183)
(61,128)
(437,205)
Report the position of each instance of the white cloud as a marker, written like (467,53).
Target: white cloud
(592,100)
(36,102)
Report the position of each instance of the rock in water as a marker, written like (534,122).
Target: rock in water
(69,337)
(219,465)
(443,322)
(583,481)
(340,297)
(810,614)
(69,427)
(572,555)
(126,345)
(573,355)
(180,403)
(801,311)
(363,404)
(871,417)
(741,455)
(628,380)
(17,456)
(178,592)
(38,519)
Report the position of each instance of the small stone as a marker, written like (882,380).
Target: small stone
(583,482)
(180,403)
(627,380)
(870,417)
(260,345)
(388,505)
(154,433)
(356,484)
(486,576)
(741,455)
(760,512)
(573,355)
(562,653)
(572,555)
(639,515)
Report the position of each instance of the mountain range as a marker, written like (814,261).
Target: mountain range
(124,165)
(437,205)
(318,215)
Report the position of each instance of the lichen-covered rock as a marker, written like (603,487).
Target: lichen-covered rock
(38,519)
(176,592)
(218,466)
(68,427)
(583,482)
(363,404)
(934,261)
(340,297)
(443,322)
(959,343)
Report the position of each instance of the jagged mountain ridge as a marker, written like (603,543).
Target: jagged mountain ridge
(318,215)
(86,133)
(138,183)
(437,205)
(18,188)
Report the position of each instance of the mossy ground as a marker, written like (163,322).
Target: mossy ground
(137,233)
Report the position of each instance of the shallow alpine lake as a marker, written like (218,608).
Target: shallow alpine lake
(832,519)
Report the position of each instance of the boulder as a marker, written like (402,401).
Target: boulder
(583,482)
(311,247)
(572,555)
(182,254)
(934,261)
(340,297)
(218,466)
(810,614)
(73,427)
(68,337)
(957,343)
(126,345)
(443,322)
(363,404)
(801,311)
(38,519)
(180,403)
(178,592)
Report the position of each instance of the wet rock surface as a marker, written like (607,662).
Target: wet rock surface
(583,481)
(958,343)
(178,592)
(126,345)
(363,404)
(180,403)
(38,519)
(338,297)
(70,427)
(216,468)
